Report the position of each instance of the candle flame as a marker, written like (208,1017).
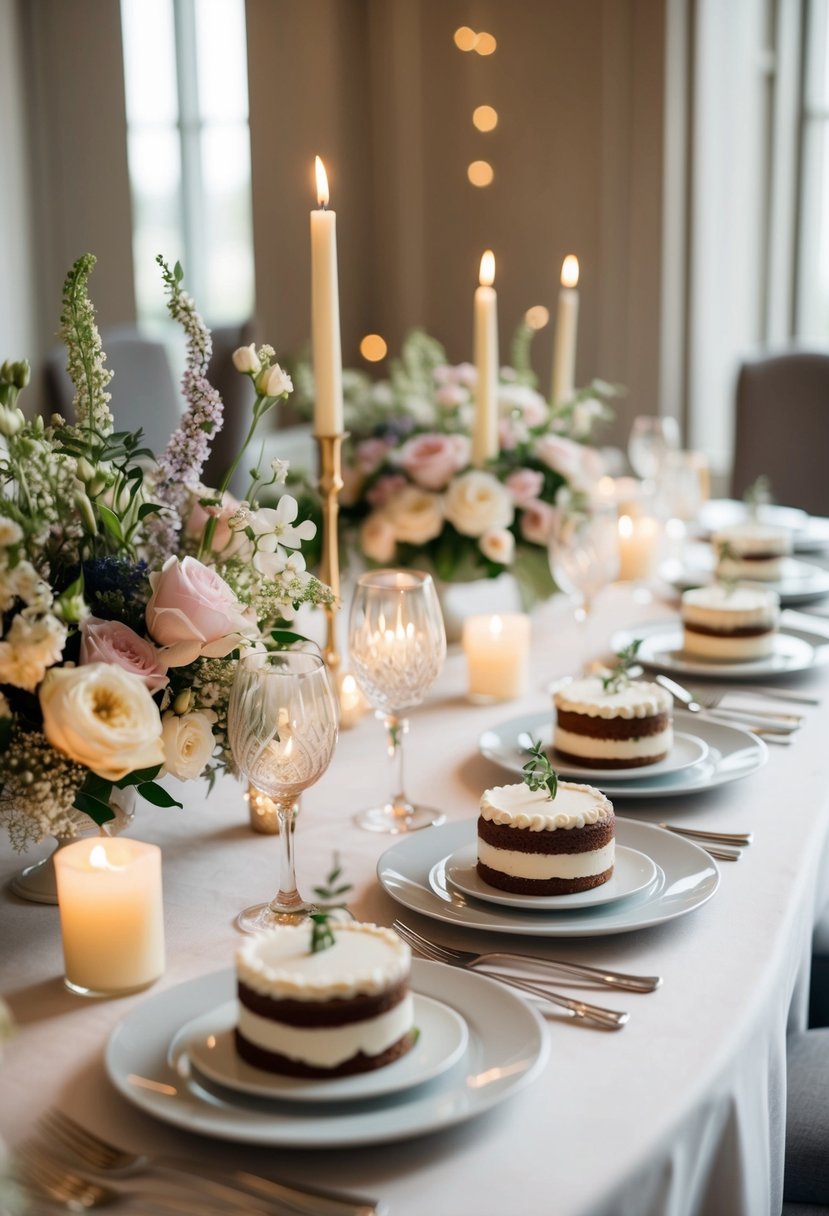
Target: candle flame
(570,271)
(496,627)
(322,182)
(349,686)
(625,526)
(487,275)
(98,858)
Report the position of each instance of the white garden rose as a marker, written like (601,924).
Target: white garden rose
(103,718)
(498,545)
(188,742)
(273,381)
(476,502)
(377,538)
(416,515)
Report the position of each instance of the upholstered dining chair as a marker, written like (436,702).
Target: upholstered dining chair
(819,986)
(806,1177)
(782,428)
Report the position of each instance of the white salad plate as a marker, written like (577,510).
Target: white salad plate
(800,582)
(632,872)
(687,751)
(413,872)
(207,1044)
(507,1047)
(731,753)
(720,513)
(661,647)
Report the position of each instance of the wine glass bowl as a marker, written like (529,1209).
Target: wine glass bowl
(282,728)
(397,645)
(584,551)
(652,437)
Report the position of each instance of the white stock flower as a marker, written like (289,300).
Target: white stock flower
(103,718)
(30,648)
(274,528)
(279,468)
(477,502)
(273,382)
(498,545)
(29,586)
(246,360)
(188,742)
(415,515)
(377,538)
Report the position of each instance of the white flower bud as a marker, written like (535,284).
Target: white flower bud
(273,382)
(11,420)
(246,360)
(84,509)
(183,702)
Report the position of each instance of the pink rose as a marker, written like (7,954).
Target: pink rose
(536,522)
(524,485)
(579,465)
(223,537)
(431,460)
(450,395)
(371,453)
(114,642)
(193,612)
(385,488)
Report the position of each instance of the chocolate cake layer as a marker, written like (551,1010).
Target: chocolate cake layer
(560,840)
(608,762)
(745,631)
(612,728)
(339,1011)
(541,886)
(272,1061)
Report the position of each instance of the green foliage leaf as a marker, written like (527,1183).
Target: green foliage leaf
(140,775)
(285,638)
(99,812)
(157,795)
(111,522)
(148,508)
(97,787)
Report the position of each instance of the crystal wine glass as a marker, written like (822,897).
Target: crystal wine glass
(651,439)
(584,553)
(397,644)
(282,724)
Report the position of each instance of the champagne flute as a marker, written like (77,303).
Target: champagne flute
(583,551)
(282,725)
(651,439)
(397,644)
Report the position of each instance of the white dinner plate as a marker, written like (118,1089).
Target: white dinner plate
(732,753)
(508,1047)
(687,751)
(632,872)
(661,647)
(720,513)
(799,583)
(686,879)
(207,1044)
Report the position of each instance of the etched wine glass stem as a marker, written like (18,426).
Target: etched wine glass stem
(288,899)
(396,728)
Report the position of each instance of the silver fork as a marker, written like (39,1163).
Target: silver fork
(580,1011)
(740,839)
(250,1192)
(766,725)
(599,975)
(711,698)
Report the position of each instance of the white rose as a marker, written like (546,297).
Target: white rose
(416,516)
(188,742)
(377,538)
(103,718)
(498,545)
(246,360)
(476,502)
(273,382)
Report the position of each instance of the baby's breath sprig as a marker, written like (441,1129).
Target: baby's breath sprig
(619,675)
(329,892)
(539,774)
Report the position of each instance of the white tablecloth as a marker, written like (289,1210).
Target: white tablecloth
(681,1112)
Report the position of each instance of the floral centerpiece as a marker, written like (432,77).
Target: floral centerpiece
(127,588)
(411,496)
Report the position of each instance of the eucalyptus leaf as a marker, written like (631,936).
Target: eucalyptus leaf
(157,795)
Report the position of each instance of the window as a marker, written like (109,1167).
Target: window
(185,69)
(812,299)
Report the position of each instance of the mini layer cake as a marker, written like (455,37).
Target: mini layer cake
(601,728)
(342,1010)
(531,844)
(752,551)
(730,624)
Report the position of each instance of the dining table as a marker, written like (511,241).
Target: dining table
(681,1111)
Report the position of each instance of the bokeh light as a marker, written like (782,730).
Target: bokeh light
(373,348)
(485,118)
(480,173)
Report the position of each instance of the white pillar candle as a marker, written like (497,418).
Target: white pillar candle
(567,317)
(111,914)
(485,432)
(640,541)
(497,656)
(325,315)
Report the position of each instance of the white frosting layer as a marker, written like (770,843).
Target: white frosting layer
(587,746)
(328,1046)
(517,806)
(724,609)
(753,537)
(365,959)
(547,865)
(637,699)
(726,648)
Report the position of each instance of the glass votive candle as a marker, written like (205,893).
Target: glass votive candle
(497,651)
(111,915)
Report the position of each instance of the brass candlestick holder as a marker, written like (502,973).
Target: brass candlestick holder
(330,484)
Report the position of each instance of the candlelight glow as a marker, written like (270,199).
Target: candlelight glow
(625,526)
(487,273)
(496,627)
(485,118)
(537,317)
(485,43)
(322,182)
(98,858)
(570,271)
(480,173)
(373,348)
(465,38)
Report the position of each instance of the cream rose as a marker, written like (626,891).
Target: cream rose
(103,718)
(192,612)
(188,742)
(477,502)
(377,539)
(416,516)
(498,545)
